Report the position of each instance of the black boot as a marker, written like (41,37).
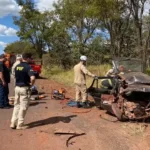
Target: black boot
(78,105)
(86,105)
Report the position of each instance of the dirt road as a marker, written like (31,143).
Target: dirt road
(45,116)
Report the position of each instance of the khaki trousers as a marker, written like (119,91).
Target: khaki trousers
(81,92)
(21,104)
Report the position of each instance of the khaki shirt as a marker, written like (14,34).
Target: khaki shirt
(80,73)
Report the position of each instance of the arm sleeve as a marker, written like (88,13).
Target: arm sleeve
(85,71)
(30,71)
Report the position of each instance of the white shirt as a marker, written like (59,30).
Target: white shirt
(14,66)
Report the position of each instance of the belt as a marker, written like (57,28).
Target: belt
(23,85)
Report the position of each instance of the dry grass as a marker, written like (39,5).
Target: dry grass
(135,128)
(67,77)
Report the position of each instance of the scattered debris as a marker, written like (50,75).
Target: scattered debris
(67,142)
(34,90)
(21,134)
(42,131)
(38,97)
(58,94)
(69,132)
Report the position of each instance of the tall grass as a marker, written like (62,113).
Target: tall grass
(67,77)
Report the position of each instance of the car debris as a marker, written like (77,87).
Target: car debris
(69,132)
(126,102)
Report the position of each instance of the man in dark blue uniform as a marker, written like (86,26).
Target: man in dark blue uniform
(4,81)
(24,80)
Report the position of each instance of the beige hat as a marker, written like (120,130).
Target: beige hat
(19,56)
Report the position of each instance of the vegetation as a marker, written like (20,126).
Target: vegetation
(100,29)
(20,47)
(67,77)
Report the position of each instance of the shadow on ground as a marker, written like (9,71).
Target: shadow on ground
(51,120)
(42,77)
(36,103)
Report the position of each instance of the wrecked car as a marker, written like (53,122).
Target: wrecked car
(129,100)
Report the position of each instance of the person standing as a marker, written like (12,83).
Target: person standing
(4,81)
(24,80)
(18,60)
(80,73)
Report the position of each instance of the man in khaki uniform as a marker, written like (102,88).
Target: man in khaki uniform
(80,73)
(25,78)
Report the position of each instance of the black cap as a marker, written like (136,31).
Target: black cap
(26,55)
(2,56)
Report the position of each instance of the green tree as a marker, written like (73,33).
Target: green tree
(146,37)
(20,47)
(78,20)
(115,18)
(137,10)
(59,45)
(32,25)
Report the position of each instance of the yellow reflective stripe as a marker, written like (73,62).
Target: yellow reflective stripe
(109,80)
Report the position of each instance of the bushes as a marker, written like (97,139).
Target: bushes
(67,77)
(148,71)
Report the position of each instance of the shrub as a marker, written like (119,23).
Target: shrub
(67,77)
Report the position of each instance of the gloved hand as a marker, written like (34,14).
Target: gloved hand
(96,77)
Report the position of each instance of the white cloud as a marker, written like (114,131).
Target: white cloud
(3,44)
(8,7)
(7,31)
(146,8)
(43,5)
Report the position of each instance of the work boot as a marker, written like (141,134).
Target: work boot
(86,105)
(8,106)
(13,126)
(1,107)
(22,127)
(79,105)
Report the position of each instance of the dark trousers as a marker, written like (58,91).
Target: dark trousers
(4,91)
(1,95)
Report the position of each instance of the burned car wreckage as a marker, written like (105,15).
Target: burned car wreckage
(129,100)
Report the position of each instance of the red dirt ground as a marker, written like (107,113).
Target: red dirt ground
(45,116)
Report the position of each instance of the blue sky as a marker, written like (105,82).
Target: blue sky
(9,8)
(7,23)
